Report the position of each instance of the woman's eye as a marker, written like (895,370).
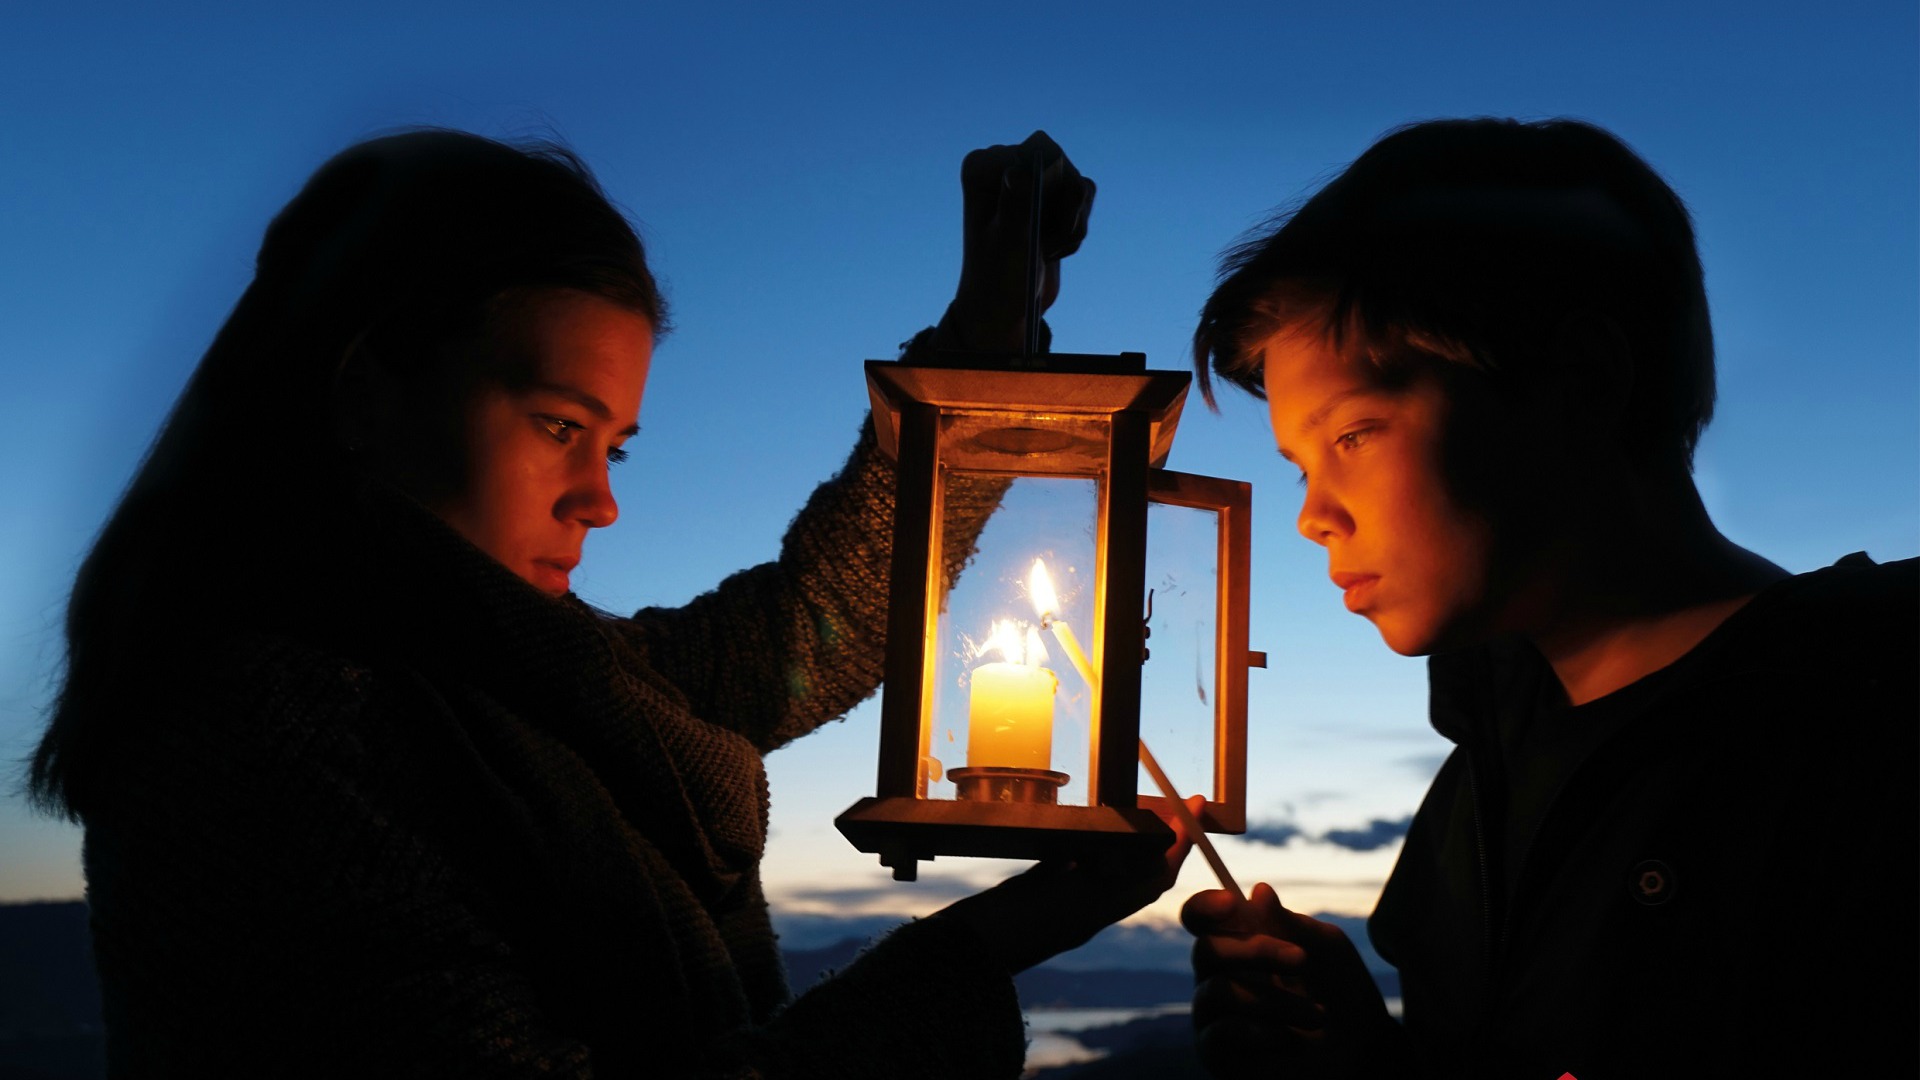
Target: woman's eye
(615,455)
(1353,440)
(560,429)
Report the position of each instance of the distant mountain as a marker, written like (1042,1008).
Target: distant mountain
(50,999)
(1145,952)
(46,969)
(1043,987)
(1154,1048)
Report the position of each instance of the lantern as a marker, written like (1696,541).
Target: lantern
(1021,692)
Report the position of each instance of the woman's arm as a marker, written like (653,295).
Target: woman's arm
(320,870)
(781,648)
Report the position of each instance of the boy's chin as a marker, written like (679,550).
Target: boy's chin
(1410,638)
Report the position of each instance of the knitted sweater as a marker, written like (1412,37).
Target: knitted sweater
(443,825)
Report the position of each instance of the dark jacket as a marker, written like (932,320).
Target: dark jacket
(1711,872)
(443,825)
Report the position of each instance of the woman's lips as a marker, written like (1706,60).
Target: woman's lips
(551,575)
(1358,589)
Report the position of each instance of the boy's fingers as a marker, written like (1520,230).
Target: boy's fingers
(1217,953)
(1208,912)
(1237,1001)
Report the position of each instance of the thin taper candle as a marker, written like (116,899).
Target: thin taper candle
(1071,645)
(1046,602)
(1185,813)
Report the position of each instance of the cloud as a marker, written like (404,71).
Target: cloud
(1273,833)
(1423,765)
(882,894)
(1376,835)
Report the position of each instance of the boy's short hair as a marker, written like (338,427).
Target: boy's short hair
(1479,241)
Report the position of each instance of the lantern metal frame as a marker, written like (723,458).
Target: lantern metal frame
(1141,409)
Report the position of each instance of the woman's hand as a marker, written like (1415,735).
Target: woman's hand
(1059,905)
(1281,994)
(988,313)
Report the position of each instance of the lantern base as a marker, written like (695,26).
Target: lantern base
(903,830)
(994,783)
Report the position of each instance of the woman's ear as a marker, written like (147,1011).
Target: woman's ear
(365,403)
(393,428)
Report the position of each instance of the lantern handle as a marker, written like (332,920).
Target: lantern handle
(1034,265)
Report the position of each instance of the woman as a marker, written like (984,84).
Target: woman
(368,792)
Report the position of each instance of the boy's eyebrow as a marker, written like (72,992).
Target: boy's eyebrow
(583,399)
(1319,416)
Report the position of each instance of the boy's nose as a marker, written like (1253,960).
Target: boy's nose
(1321,518)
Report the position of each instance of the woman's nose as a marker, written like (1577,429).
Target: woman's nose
(590,501)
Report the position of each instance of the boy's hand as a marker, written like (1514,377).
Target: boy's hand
(1281,994)
(988,313)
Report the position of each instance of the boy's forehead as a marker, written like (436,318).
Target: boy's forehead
(1300,360)
(1307,377)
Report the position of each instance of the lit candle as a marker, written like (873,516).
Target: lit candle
(1010,704)
(1047,603)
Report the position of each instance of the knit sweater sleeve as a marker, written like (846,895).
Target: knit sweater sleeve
(302,876)
(778,649)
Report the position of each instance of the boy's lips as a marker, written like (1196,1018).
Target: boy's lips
(1357,587)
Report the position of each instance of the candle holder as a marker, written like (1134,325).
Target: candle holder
(1032,663)
(995,783)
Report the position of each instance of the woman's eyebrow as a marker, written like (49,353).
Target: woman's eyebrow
(574,394)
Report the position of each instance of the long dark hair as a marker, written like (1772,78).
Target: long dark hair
(408,247)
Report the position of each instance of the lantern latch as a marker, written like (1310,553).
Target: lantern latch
(1146,629)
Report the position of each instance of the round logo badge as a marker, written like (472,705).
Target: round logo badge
(1651,882)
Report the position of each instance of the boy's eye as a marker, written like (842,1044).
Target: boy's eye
(615,455)
(1352,440)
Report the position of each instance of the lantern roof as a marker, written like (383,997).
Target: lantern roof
(1063,384)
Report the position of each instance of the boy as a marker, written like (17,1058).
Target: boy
(1677,836)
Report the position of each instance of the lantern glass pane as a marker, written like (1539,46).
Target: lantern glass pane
(1179,682)
(1012,698)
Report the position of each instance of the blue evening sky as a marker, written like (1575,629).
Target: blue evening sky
(793,169)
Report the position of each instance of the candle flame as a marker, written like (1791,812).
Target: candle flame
(1016,641)
(1006,638)
(1036,652)
(1040,589)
